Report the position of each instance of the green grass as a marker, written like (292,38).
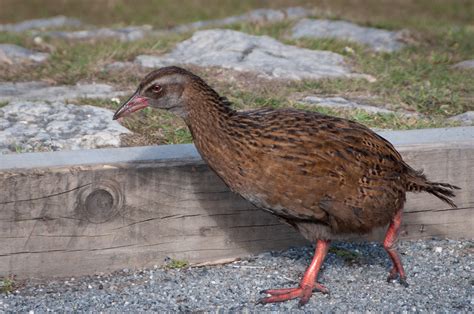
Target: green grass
(14,38)
(346,255)
(7,285)
(176,264)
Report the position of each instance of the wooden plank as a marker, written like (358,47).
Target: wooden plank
(75,213)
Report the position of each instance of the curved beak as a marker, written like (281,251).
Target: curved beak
(134,103)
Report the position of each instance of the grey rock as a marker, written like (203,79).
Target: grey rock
(261,54)
(467,65)
(377,39)
(42,91)
(53,22)
(31,126)
(255,16)
(466,118)
(342,103)
(12,54)
(131,33)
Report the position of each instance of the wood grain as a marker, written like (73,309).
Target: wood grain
(89,217)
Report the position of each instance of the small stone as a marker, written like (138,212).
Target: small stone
(38,40)
(438,249)
(349,50)
(369,78)
(378,39)
(115,100)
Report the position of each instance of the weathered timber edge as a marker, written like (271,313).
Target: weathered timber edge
(84,212)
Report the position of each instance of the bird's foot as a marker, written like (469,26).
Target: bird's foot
(285,294)
(394,275)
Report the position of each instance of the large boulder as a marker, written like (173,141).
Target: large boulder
(43,91)
(339,103)
(32,126)
(261,54)
(255,16)
(465,65)
(342,103)
(378,39)
(125,34)
(14,54)
(466,118)
(52,22)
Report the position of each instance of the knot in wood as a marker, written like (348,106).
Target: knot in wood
(101,201)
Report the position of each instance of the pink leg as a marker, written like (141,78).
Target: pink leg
(388,244)
(307,283)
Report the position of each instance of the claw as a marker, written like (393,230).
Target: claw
(403,282)
(260,301)
(393,275)
(303,302)
(320,288)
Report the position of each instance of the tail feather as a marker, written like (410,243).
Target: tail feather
(417,182)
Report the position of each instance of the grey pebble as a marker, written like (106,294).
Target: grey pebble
(443,284)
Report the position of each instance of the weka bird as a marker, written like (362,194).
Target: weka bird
(323,175)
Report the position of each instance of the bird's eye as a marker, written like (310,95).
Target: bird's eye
(156,88)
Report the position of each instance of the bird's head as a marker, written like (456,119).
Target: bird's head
(162,89)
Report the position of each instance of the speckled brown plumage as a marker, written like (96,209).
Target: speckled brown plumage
(324,175)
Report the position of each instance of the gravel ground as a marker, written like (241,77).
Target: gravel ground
(439,274)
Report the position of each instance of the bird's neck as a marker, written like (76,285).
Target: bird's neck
(207,117)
